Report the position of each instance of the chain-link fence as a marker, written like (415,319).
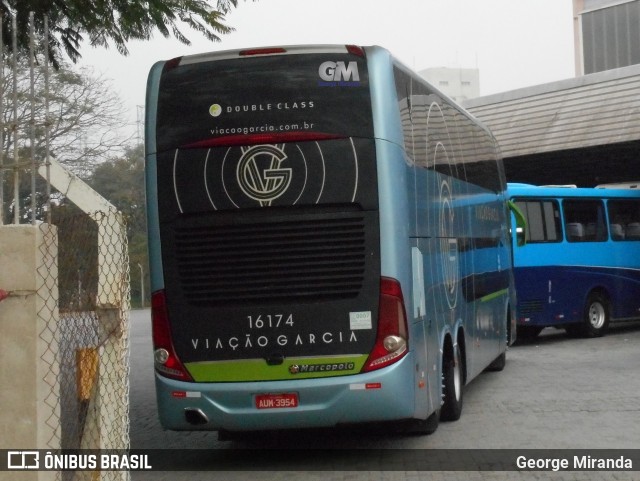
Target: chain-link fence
(78,306)
(91,365)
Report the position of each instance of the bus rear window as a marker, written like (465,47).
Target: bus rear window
(278,94)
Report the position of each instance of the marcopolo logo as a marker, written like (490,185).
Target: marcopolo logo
(312,368)
(339,74)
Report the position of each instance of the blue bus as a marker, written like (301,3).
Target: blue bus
(579,268)
(328,239)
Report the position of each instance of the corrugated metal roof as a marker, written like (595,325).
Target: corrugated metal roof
(596,109)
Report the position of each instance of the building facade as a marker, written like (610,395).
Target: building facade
(583,131)
(458,83)
(607,34)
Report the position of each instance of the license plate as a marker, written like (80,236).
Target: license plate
(277,401)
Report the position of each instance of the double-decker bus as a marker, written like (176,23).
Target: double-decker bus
(580,266)
(328,239)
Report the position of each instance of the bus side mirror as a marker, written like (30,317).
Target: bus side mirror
(521,224)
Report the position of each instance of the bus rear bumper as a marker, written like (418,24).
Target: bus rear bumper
(384,395)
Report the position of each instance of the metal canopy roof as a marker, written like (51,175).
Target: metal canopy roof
(592,110)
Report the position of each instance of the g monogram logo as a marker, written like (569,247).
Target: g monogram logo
(260,175)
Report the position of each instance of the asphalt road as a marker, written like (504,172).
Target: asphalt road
(555,393)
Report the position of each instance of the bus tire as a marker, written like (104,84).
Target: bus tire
(452,383)
(596,315)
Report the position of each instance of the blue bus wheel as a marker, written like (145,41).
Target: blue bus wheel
(596,315)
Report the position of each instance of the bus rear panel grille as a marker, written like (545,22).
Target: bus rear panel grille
(285,261)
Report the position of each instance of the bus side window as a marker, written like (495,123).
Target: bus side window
(617,231)
(633,231)
(584,221)
(624,218)
(575,231)
(542,220)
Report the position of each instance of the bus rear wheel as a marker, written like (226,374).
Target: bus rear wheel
(452,382)
(596,315)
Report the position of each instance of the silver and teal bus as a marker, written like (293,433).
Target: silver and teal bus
(328,238)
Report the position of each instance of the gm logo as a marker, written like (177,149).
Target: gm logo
(339,73)
(23,460)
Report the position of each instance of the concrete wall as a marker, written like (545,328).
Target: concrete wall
(29,418)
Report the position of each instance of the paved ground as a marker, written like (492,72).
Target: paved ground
(555,393)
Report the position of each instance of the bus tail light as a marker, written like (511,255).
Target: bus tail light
(165,358)
(391,340)
(355,50)
(262,51)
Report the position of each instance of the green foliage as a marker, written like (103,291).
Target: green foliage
(105,22)
(121,182)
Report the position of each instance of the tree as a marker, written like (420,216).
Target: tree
(101,22)
(120,180)
(85,120)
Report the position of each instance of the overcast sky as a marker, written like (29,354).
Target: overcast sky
(514,43)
